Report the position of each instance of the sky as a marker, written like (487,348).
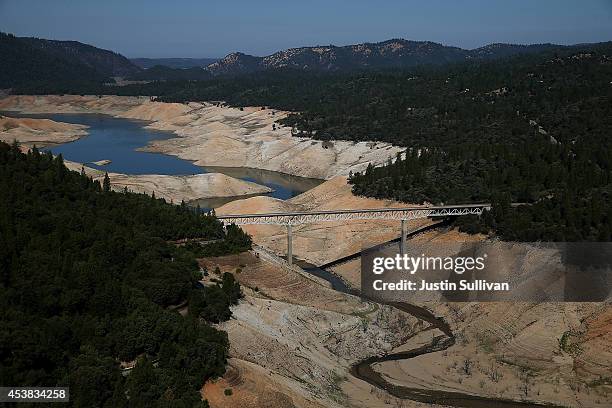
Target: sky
(205,28)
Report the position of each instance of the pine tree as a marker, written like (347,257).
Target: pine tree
(35,152)
(106,185)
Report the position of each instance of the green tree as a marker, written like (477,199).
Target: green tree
(106,185)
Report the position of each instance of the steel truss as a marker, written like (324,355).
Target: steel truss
(296,218)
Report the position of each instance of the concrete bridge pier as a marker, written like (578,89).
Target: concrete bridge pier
(289,245)
(403,237)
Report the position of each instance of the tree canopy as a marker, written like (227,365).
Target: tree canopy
(87,280)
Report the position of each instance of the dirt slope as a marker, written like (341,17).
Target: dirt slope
(301,337)
(39,132)
(177,188)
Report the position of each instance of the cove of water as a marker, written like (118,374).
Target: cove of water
(118,140)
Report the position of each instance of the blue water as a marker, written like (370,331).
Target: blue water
(118,140)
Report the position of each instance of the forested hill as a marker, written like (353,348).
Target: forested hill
(423,106)
(36,65)
(86,279)
(36,61)
(396,53)
(538,134)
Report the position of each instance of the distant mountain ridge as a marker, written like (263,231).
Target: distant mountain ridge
(179,63)
(165,73)
(386,54)
(29,62)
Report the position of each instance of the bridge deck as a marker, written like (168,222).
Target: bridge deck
(406,213)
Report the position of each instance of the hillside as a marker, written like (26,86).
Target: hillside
(25,64)
(422,106)
(396,53)
(538,135)
(88,278)
(105,62)
(39,132)
(31,61)
(236,63)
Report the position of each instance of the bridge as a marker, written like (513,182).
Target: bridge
(290,219)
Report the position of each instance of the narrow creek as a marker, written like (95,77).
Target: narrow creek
(364,370)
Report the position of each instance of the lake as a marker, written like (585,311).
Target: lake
(118,140)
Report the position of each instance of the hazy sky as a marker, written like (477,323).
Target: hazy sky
(203,28)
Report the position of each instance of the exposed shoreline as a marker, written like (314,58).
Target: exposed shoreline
(39,132)
(320,243)
(176,188)
(210,135)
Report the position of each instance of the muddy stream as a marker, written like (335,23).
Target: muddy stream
(364,369)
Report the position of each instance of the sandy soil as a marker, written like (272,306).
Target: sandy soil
(252,386)
(213,135)
(39,132)
(351,271)
(221,136)
(510,349)
(284,285)
(177,188)
(320,243)
(300,338)
(112,105)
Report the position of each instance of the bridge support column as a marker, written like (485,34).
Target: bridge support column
(289,245)
(403,237)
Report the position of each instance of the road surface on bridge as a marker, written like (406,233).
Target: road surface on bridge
(289,219)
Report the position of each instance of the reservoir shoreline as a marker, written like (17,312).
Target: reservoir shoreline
(119,144)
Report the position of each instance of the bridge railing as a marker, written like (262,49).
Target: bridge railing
(295,218)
